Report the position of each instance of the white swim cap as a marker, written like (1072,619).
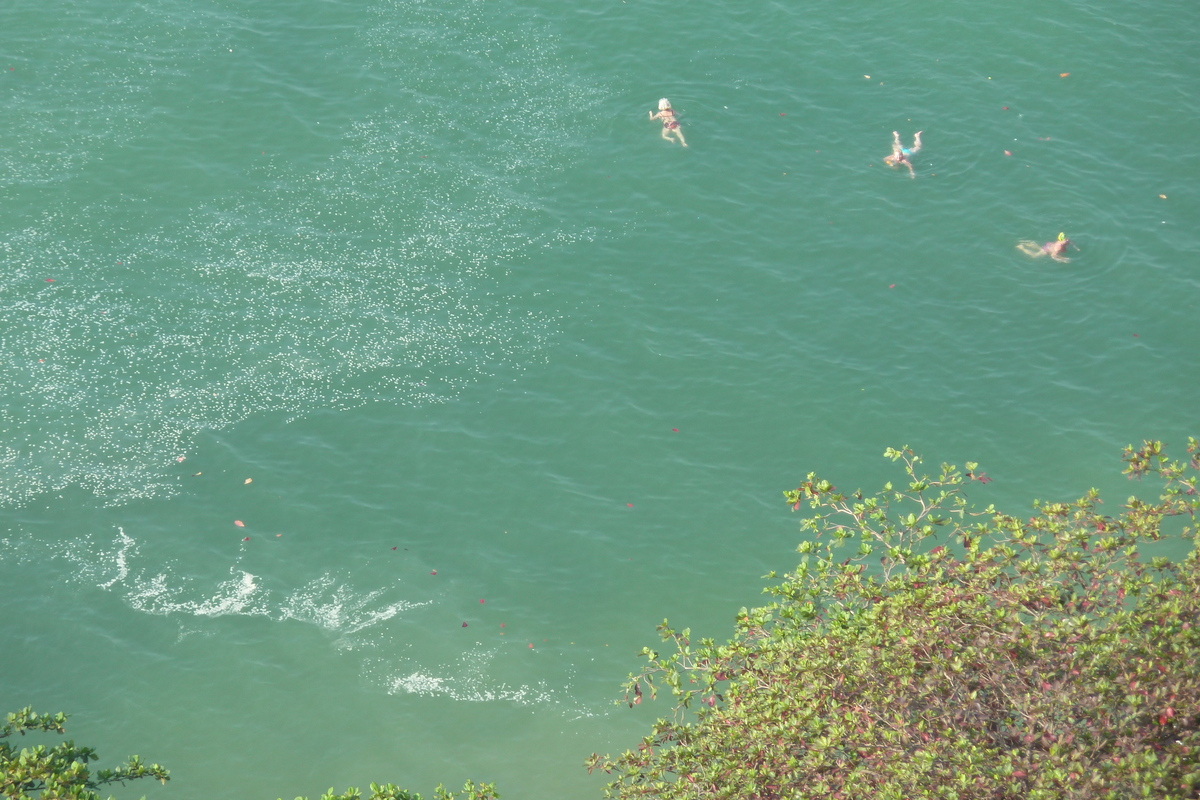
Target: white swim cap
(664,104)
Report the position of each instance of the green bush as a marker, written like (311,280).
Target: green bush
(59,772)
(470,791)
(925,649)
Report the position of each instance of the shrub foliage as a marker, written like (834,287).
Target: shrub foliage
(387,791)
(926,649)
(60,772)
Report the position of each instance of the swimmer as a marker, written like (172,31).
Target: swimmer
(900,153)
(669,121)
(1053,249)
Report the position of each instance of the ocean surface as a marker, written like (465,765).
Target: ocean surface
(375,378)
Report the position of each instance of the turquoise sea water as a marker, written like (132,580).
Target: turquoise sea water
(426,274)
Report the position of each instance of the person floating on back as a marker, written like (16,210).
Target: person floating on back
(1053,249)
(900,153)
(669,120)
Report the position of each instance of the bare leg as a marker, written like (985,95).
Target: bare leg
(666,133)
(908,164)
(679,133)
(916,142)
(1032,249)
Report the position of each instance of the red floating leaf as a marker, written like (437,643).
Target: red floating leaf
(891,286)
(531,645)
(481,600)
(501,624)
(1005,108)
(434,572)
(49,280)
(674,430)
(464,624)
(1007,153)
(629,504)
(393,548)
(246,539)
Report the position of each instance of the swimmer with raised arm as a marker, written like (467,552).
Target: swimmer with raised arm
(1053,249)
(669,120)
(900,153)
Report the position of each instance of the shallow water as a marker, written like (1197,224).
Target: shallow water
(424,272)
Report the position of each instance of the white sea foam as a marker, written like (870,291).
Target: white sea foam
(357,617)
(239,596)
(335,607)
(120,559)
(468,680)
(329,601)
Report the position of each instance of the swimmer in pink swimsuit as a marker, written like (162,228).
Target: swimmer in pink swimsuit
(669,121)
(1053,249)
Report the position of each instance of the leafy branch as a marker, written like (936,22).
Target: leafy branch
(59,772)
(926,648)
